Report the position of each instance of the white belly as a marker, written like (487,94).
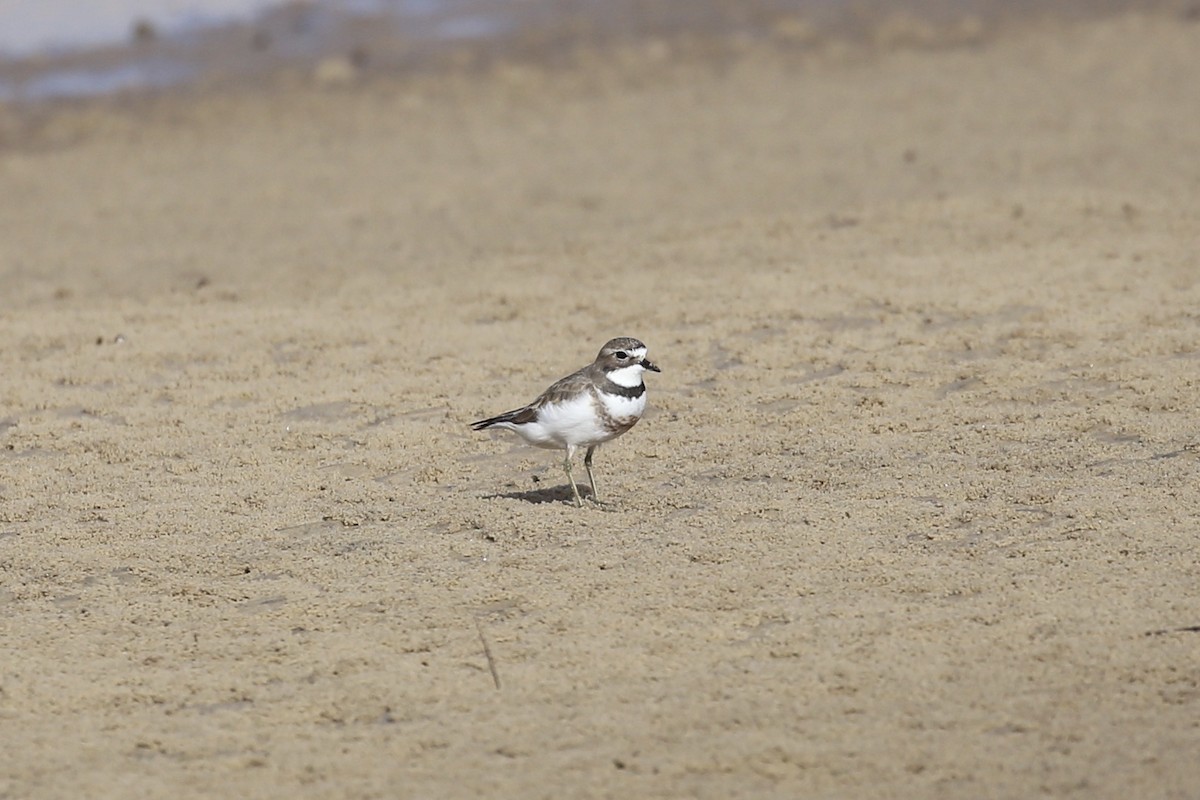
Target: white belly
(578,423)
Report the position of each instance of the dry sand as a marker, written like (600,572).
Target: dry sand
(914,513)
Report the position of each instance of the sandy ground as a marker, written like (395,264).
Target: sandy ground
(914,512)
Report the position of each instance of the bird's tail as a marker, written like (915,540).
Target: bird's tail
(507,416)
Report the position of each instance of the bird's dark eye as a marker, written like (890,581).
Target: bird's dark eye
(622,355)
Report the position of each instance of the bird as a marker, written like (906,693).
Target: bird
(587,408)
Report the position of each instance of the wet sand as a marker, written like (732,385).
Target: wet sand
(913,514)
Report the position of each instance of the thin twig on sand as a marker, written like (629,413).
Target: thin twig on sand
(487,652)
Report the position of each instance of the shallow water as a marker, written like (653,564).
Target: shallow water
(33,27)
(54,49)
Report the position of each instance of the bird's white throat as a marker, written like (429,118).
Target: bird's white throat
(629,377)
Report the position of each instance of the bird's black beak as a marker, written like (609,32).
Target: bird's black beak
(650,365)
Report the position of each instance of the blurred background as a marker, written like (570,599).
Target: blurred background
(55,49)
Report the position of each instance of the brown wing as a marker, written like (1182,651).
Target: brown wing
(559,391)
(564,389)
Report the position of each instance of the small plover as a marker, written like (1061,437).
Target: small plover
(585,409)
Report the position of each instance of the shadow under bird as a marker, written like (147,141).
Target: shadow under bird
(585,409)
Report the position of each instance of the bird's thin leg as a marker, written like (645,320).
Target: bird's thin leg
(571,478)
(587,462)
